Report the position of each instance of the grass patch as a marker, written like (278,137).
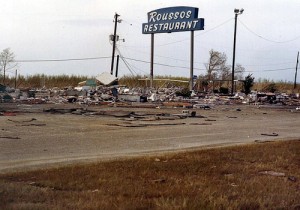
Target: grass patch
(62,81)
(226,178)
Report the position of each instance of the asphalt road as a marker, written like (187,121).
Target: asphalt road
(34,139)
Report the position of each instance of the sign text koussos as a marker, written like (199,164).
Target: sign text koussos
(173,19)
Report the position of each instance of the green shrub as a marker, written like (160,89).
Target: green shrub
(185,92)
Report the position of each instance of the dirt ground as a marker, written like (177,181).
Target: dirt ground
(31,138)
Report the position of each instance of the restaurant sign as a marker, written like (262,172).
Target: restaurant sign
(173,19)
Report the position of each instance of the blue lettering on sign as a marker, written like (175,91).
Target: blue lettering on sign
(173,19)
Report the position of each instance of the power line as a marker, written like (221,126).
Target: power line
(209,30)
(161,64)
(221,24)
(132,66)
(272,64)
(176,59)
(61,60)
(126,63)
(284,69)
(137,60)
(266,39)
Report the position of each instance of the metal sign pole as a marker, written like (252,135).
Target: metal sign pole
(152,60)
(192,61)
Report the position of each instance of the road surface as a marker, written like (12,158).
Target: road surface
(34,139)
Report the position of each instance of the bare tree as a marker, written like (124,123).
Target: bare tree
(217,61)
(217,68)
(239,71)
(7,61)
(225,72)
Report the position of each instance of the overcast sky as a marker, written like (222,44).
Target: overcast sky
(268,36)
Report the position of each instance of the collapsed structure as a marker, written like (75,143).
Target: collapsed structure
(116,95)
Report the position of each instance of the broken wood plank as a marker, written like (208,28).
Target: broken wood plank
(23,121)
(269,134)
(272,173)
(41,124)
(9,137)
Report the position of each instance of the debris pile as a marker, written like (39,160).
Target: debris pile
(116,95)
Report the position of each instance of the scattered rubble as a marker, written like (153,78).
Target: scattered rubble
(210,120)
(9,137)
(292,178)
(134,125)
(23,121)
(279,174)
(26,122)
(269,134)
(272,173)
(200,123)
(262,141)
(33,124)
(111,94)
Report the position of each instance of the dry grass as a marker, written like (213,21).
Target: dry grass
(283,87)
(41,80)
(61,81)
(226,178)
(135,82)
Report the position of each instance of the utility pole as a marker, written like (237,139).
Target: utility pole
(117,67)
(295,82)
(237,12)
(114,42)
(16,78)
